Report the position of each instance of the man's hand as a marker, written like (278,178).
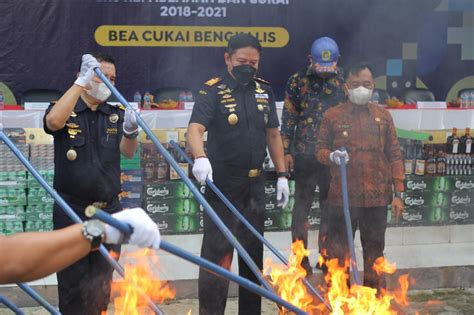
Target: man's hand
(87,70)
(130,125)
(397,208)
(202,169)
(336,156)
(283,192)
(289,163)
(145,231)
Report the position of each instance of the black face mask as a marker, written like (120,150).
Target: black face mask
(243,74)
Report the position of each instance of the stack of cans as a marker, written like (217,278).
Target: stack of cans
(42,156)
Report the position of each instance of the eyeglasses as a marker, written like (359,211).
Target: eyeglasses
(355,85)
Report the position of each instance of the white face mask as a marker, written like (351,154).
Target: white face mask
(99,91)
(360,95)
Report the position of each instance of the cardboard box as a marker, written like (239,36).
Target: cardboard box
(461,215)
(172,206)
(16,179)
(277,221)
(12,197)
(39,196)
(167,190)
(178,224)
(462,197)
(418,183)
(38,136)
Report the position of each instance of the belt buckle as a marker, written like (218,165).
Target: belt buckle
(100,204)
(254,172)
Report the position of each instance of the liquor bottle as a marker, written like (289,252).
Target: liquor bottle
(431,164)
(441,164)
(466,142)
(453,142)
(420,160)
(408,163)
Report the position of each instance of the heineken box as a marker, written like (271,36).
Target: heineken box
(172,206)
(461,214)
(11,227)
(414,216)
(464,183)
(277,221)
(271,187)
(168,189)
(178,224)
(271,204)
(13,179)
(12,213)
(12,197)
(48,176)
(39,196)
(462,197)
(38,226)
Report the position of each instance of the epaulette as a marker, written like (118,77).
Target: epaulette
(262,81)
(213,81)
(120,106)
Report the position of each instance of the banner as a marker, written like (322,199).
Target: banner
(181,43)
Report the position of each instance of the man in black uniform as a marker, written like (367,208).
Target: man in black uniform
(89,136)
(238,111)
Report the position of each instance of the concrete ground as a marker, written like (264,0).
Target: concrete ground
(440,301)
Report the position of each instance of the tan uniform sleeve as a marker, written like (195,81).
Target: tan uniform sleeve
(324,144)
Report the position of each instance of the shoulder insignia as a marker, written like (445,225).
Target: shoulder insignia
(202,92)
(213,81)
(120,106)
(262,81)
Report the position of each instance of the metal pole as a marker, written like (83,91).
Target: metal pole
(207,207)
(347,218)
(125,228)
(11,306)
(244,221)
(38,298)
(69,211)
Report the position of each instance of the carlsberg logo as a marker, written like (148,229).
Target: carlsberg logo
(416,185)
(412,216)
(157,208)
(411,201)
(270,190)
(464,185)
(461,200)
(153,192)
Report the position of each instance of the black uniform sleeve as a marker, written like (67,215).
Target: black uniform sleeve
(204,108)
(45,127)
(272,116)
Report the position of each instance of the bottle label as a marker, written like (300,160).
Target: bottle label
(455,146)
(420,167)
(408,167)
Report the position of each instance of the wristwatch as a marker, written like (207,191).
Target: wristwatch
(94,232)
(283,174)
(398,194)
(132,135)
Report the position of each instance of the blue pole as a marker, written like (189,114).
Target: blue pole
(11,306)
(347,219)
(38,298)
(203,263)
(207,207)
(69,211)
(244,221)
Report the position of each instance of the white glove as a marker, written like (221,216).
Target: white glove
(283,192)
(145,231)
(202,169)
(87,70)
(336,156)
(130,124)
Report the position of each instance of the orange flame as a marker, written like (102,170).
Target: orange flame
(139,282)
(288,280)
(361,299)
(288,283)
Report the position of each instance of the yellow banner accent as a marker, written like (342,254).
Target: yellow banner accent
(185,36)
